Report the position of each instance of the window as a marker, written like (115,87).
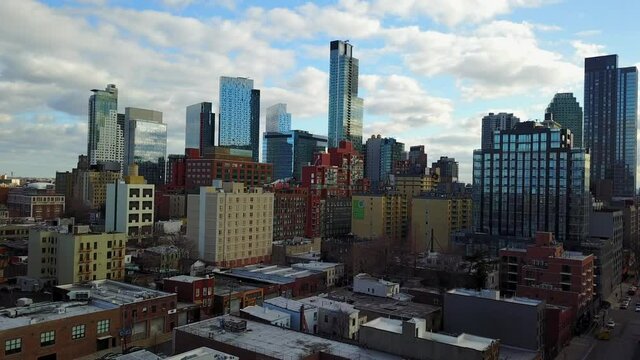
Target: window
(47,338)
(103,326)
(77,332)
(153,308)
(326,318)
(12,346)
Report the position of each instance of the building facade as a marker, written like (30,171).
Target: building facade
(106,131)
(192,289)
(532,180)
(608,224)
(435,217)
(36,200)
(290,151)
(239,115)
(446,169)
(200,127)
(381,155)
(278,119)
(566,111)
(345,107)
(376,216)
(233,226)
(289,213)
(146,143)
(495,122)
(610,123)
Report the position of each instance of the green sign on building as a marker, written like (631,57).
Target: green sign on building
(357,207)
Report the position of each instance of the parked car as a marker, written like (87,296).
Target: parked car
(611,324)
(624,305)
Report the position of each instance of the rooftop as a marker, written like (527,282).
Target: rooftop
(328,304)
(383,305)
(163,249)
(494,295)
(115,292)
(284,303)
(264,313)
(275,341)
(185,278)
(202,353)
(316,265)
(575,255)
(463,340)
(46,311)
(363,276)
(272,274)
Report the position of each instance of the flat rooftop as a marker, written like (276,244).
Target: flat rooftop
(494,295)
(265,313)
(463,340)
(116,292)
(224,289)
(277,342)
(316,265)
(383,305)
(271,274)
(288,304)
(329,304)
(47,311)
(185,278)
(201,353)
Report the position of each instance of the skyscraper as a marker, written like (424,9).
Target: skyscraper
(381,154)
(278,119)
(532,180)
(610,123)
(106,137)
(146,143)
(493,122)
(566,111)
(200,127)
(290,151)
(446,168)
(345,107)
(240,114)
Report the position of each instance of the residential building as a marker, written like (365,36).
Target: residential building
(336,319)
(278,119)
(35,200)
(278,280)
(380,216)
(520,322)
(59,329)
(267,316)
(607,223)
(283,250)
(610,124)
(336,216)
(410,339)
(415,164)
(89,184)
(289,212)
(436,217)
(146,143)
(60,256)
(226,164)
(547,272)
(130,207)
(240,338)
(367,284)
(603,265)
(239,115)
(334,272)
(495,122)
(200,127)
(233,226)
(532,180)
(106,130)
(345,107)
(192,289)
(566,111)
(303,318)
(446,169)
(148,316)
(290,151)
(162,259)
(381,156)
(413,185)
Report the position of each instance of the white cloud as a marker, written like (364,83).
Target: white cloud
(588,33)
(584,49)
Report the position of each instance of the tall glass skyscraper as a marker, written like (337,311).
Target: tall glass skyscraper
(200,127)
(532,180)
(146,143)
(290,151)
(610,124)
(566,111)
(495,122)
(345,107)
(278,119)
(239,114)
(106,138)
(380,156)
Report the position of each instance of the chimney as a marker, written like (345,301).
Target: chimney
(133,170)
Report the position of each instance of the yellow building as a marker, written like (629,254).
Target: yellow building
(232,226)
(441,214)
(376,216)
(413,185)
(92,186)
(60,257)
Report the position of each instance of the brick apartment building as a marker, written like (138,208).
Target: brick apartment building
(192,289)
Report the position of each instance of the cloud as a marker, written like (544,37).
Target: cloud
(584,50)
(588,33)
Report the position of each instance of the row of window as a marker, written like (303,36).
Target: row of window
(47,338)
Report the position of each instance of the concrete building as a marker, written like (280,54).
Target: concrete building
(334,272)
(130,207)
(192,289)
(608,224)
(380,216)
(521,321)
(278,280)
(410,339)
(547,272)
(266,315)
(381,155)
(89,185)
(335,318)
(233,226)
(446,169)
(231,296)
(496,122)
(254,340)
(59,329)
(289,212)
(303,317)
(283,250)
(36,200)
(336,216)
(603,265)
(367,284)
(60,256)
(436,217)
(413,185)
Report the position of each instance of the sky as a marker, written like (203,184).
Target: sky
(429,70)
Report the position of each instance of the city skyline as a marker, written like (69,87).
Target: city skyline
(439,93)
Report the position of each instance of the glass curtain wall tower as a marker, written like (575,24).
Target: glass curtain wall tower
(106,134)
(278,119)
(290,151)
(200,127)
(239,115)
(146,143)
(345,107)
(610,124)
(566,111)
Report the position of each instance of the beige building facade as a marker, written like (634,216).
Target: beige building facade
(434,218)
